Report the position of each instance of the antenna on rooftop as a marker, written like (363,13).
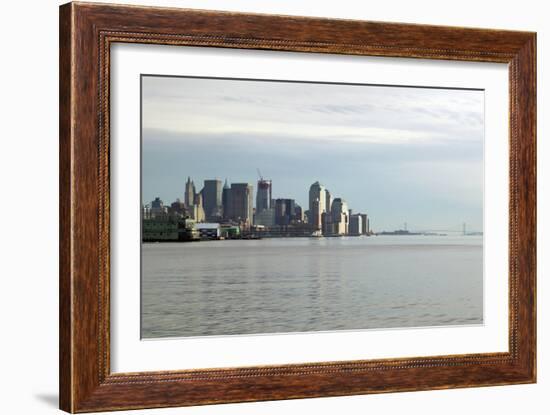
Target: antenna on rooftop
(259,173)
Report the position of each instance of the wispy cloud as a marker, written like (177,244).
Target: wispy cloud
(311,111)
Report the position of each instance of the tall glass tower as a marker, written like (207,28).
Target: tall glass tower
(317,204)
(212,198)
(263,195)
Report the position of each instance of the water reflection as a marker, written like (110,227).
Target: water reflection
(300,285)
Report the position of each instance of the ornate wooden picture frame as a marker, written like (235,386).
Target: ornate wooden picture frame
(87,32)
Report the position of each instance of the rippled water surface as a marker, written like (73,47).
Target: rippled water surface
(310,284)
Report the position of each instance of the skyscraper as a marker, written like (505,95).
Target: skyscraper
(240,203)
(225,199)
(340,216)
(328,203)
(190,191)
(364,224)
(355,224)
(198,209)
(158,208)
(298,213)
(178,208)
(263,195)
(317,204)
(284,211)
(157,203)
(212,198)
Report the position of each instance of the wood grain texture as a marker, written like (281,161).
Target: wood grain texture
(65,247)
(86,33)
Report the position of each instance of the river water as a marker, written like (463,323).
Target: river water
(290,285)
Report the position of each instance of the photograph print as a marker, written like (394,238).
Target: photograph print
(277,206)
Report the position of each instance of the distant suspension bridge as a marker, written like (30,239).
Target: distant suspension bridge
(457,229)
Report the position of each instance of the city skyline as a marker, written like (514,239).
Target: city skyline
(228,211)
(400,154)
(190,184)
(198,187)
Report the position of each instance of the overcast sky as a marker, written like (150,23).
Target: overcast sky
(399,154)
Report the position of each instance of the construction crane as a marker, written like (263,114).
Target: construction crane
(259,174)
